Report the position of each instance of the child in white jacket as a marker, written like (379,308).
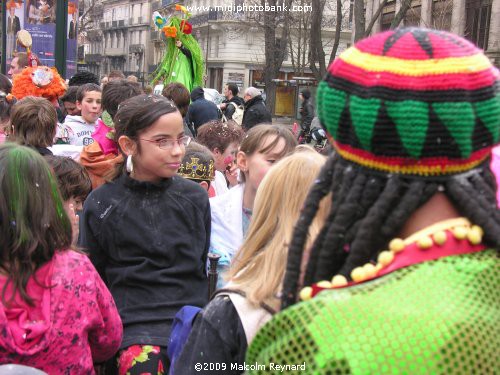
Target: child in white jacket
(77,130)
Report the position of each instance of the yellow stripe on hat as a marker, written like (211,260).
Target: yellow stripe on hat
(414,169)
(448,65)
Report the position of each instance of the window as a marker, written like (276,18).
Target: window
(385,22)
(477,25)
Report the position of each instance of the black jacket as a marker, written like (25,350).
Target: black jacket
(218,337)
(307,114)
(200,110)
(149,242)
(13,25)
(230,108)
(255,113)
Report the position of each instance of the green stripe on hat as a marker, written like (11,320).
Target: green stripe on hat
(488,112)
(364,114)
(332,103)
(412,121)
(459,120)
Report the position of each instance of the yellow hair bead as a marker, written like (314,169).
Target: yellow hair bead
(306,293)
(378,267)
(370,270)
(460,232)
(440,237)
(424,243)
(475,236)
(397,245)
(385,258)
(478,228)
(339,280)
(358,274)
(324,284)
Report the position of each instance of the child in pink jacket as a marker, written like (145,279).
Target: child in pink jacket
(56,314)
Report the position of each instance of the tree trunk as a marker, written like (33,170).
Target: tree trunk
(274,49)
(359,19)
(338,29)
(317,54)
(374,18)
(401,14)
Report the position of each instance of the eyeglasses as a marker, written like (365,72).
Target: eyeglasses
(167,144)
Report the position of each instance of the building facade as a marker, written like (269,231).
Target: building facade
(118,38)
(477,20)
(233,46)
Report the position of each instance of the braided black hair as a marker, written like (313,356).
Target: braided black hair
(369,208)
(83,77)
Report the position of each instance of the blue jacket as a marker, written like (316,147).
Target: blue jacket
(200,110)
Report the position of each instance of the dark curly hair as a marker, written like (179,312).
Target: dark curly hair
(218,135)
(80,78)
(369,209)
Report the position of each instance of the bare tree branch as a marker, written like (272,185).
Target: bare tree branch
(86,20)
(401,14)
(375,17)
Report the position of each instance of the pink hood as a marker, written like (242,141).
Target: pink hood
(73,321)
(27,326)
(495,167)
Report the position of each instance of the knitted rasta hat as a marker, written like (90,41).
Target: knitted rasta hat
(412,101)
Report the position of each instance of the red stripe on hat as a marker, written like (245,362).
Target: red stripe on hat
(443,46)
(449,81)
(430,166)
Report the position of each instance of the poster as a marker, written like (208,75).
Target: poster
(38,17)
(72,34)
(14,21)
(40,22)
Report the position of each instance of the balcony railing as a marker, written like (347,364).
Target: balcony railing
(120,51)
(93,58)
(217,15)
(136,48)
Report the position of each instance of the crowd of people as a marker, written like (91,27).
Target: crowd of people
(381,257)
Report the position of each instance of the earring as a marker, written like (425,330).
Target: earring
(129,166)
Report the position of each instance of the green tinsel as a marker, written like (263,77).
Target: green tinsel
(164,70)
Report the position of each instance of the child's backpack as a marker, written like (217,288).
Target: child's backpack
(237,115)
(184,320)
(181,327)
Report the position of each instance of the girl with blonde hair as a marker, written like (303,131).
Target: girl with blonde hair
(223,330)
(261,148)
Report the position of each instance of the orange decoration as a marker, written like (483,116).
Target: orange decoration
(23,86)
(71,8)
(13,4)
(186,27)
(170,31)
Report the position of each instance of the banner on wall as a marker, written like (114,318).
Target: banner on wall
(38,17)
(40,22)
(72,33)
